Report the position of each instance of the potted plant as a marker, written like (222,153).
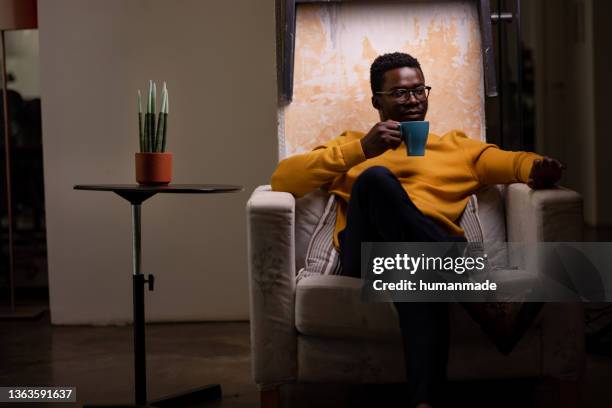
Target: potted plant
(153,163)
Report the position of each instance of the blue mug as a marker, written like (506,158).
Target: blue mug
(415,134)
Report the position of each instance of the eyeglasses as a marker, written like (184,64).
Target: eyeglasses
(421,93)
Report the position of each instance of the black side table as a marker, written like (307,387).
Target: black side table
(136,195)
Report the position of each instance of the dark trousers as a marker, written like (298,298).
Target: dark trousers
(379,210)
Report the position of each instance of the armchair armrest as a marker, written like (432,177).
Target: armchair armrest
(271,258)
(551,215)
(543,215)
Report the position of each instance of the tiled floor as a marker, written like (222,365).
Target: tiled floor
(98,361)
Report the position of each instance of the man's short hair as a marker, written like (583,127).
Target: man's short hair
(387,62)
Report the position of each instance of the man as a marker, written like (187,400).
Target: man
(385,195)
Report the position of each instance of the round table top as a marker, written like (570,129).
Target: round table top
(169,188)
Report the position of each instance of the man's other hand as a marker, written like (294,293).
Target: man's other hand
(545,173)
(382,137)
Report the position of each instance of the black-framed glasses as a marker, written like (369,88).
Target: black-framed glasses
(421,93)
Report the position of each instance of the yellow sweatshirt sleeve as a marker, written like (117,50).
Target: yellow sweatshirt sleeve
(496,166)
(492,165)
(303,173)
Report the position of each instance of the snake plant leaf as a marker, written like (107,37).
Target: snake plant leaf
(160,120)
(150,99)
(146,133)
(154,98)
(165,125)
(140,130)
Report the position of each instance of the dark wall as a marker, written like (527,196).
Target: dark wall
(602,10)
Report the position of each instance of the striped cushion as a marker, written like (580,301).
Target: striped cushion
(472,228)
(322,258)
(470,223)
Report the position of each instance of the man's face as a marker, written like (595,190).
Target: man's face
(407,108)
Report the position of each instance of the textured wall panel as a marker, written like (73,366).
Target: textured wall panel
(336,43)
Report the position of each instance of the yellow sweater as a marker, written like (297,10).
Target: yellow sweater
(439,184)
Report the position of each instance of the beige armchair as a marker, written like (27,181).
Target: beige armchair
(318,330)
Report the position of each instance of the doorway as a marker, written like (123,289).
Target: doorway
(22,223)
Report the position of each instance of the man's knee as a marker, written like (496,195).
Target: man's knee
(373,177)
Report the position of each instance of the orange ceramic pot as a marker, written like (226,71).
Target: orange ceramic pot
(153,169)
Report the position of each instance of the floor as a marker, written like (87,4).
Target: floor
(98,361)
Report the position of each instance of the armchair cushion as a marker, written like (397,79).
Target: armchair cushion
(331,306)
